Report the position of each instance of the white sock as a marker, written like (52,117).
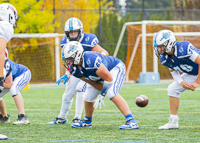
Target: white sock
(79,104)
(65,107)
(173,116)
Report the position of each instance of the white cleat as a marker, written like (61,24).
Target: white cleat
(22,120)
(3,137)
(172,124)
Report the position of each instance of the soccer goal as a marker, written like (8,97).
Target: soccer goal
(141,62)
(40,53)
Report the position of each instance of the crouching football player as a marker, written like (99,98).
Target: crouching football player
(105,74)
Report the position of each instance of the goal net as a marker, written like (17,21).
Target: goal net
(140,54)
(40,53)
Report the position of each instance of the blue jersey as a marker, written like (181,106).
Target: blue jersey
(17,69)
(91,63)
(87,40)
(183,60)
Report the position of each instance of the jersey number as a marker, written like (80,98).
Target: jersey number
(93,78)
(185,67)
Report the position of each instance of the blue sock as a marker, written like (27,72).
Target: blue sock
(88,118)
(129,117)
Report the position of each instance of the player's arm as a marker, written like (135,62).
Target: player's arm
(96,84)
(104,74)
(177,77)
(8,81)
(194,85)
(99,49)
(3,44)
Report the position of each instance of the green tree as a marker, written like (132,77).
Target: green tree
(139,17)
(122,53)
(32,19)
(168,15)
(107,37)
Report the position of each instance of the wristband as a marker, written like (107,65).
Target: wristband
(177,77)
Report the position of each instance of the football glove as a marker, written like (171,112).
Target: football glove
(64,78)
(99,101)
(1,84)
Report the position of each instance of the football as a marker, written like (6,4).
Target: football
(142,100)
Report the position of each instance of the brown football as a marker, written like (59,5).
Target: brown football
(142,100)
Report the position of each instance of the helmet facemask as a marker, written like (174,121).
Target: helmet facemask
(73,25)
(73,38)
(72,54)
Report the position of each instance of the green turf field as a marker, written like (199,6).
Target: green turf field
(42,105)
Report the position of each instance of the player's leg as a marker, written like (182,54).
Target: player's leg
(174,91)
(80,88)
(118,74)
(18,84)
(67,100)
(4,117)
(89,109)
(19,102)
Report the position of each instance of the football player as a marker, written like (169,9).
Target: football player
(15,81)
(8,19)
(74,32)
(105,75)
(178,57)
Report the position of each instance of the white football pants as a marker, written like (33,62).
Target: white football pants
(175,89)
(18,84)
(118,74)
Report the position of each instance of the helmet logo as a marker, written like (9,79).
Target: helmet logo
(72,48)
(165,35)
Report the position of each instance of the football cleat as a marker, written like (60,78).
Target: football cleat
(3,137)
(22,120)
(172,124)
(5,119)
(76,120)
(58,121)
(130,124)
(83,123)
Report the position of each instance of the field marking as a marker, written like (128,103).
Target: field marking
(107,111)
(59,101)
(156,133)
(95,136)
(141,125)
(165,89)
(64,140)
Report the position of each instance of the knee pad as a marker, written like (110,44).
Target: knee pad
(89,98)
(172,91)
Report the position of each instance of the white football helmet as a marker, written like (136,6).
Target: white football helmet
(166,38)
(73,50)
(73,25)
(8,13)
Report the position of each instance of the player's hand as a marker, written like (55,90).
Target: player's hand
(64,77)
(1,84)
(185,85)
(99,101)
(194,85)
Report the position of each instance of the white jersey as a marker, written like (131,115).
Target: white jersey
(6,30)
